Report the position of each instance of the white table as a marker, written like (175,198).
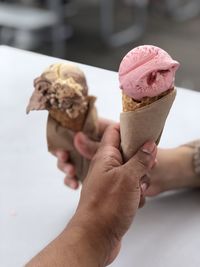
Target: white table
(34,204)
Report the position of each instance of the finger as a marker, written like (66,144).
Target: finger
(111,136)
(85,146)
(103,124)
(59,153)
(142,161)
(66,168)
(71,182)
(62,155)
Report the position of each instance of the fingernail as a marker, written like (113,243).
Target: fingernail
(148,147)
(144,187)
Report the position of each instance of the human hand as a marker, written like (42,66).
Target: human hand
(109,199)
(111,191)
(86,147)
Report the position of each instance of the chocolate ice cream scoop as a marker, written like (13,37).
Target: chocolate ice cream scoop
(61,87)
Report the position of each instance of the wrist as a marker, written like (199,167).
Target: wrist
(89,238)
(184,176)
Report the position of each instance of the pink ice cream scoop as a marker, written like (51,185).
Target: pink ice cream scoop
(147,71)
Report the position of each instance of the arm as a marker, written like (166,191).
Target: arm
(109,199)
(74,247)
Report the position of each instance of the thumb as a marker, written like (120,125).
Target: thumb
(142,161)
(85,146)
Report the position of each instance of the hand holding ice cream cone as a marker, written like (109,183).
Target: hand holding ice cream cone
(62,91)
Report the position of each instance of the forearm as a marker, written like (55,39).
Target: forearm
(74,247)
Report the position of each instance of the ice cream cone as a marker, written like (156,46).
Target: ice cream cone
(62,91)
(146,76)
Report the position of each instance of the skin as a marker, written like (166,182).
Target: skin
(111,191)
(173,168)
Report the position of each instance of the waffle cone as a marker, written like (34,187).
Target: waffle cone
(143,121)
(129,104)
(74,124)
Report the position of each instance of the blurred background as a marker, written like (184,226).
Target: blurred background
(101,32)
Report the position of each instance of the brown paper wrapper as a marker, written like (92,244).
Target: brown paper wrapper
(143,124)
(59,137)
